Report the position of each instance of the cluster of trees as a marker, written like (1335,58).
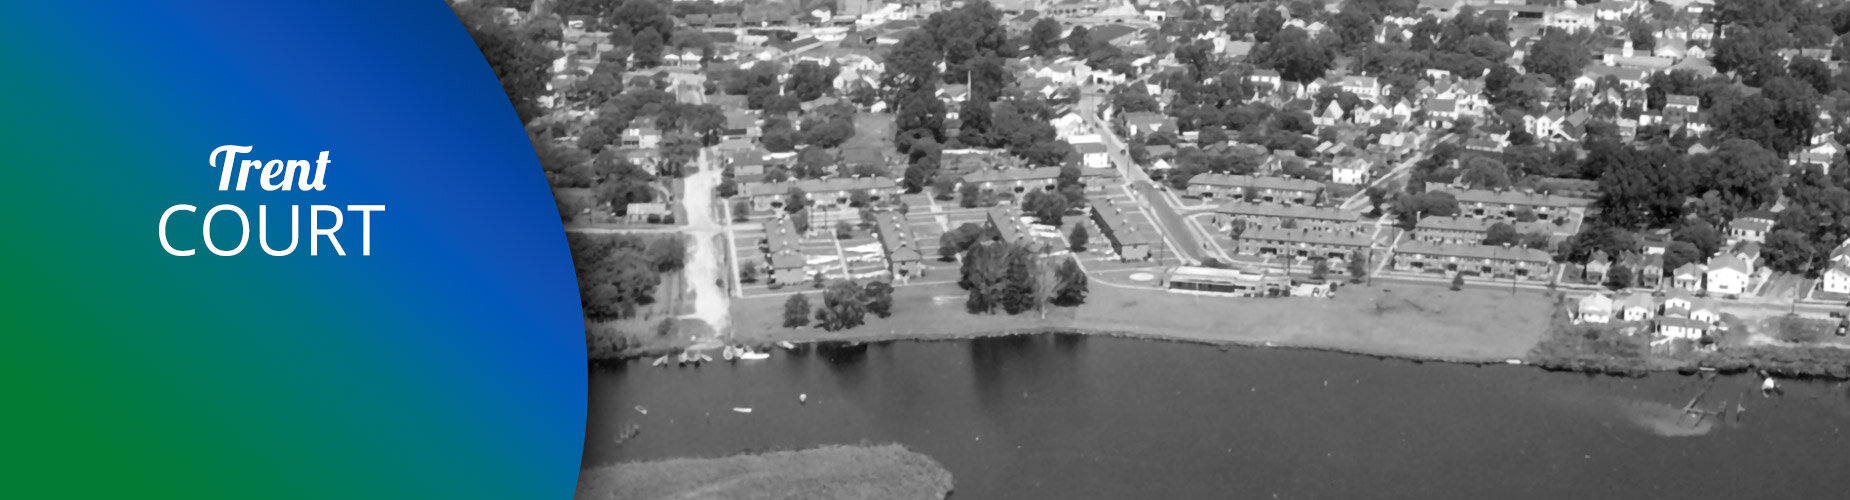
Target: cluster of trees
(517,54)
(845,304)
(619,272)
(825,127)
(1015,279)
(1815,221)
(1753,31)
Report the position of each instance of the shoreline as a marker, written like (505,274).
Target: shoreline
(1586,366)
(828,471)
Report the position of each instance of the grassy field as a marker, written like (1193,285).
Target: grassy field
(1402,320)
(872,130)
(830,472)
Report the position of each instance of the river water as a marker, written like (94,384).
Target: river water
(1073,417)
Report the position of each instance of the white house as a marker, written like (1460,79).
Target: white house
(1349,170)
(1836,279)
(1727,275)
(1093,154)
(1681,328)
(1595,308)
(1637,306)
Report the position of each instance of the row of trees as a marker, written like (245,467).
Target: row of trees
(1013,278)
(845,304)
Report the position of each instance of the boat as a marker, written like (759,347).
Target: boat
(803,398)
(1512,361)
(1769,386)
(742,409)
(749,355)
(682,357)
(661,360)
(640,409)
(727,352)
(786,344)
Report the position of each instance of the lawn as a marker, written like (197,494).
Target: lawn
(1398,320)
(829,472)
(872,130)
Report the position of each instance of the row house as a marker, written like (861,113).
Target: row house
(1481,260)
(900,245)
(1302,243)
(783,251)
(1129,243)
(1014,180)
(1245,187)
(821,193)
(1546,207)
(1468,230)
(1010,228)
(1281,215)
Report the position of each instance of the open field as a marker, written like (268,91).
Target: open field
(829,472)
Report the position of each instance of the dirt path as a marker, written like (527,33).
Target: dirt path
(711,302)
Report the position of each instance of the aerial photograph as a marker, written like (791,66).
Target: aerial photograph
(1103,249)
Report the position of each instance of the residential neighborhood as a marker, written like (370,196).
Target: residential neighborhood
(1623,153)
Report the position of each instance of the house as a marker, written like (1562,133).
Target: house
(1481,260)
(741,124)
(1283,215)
(1595,308)
(1302,243)
(1093,154)
(1366,87)
(1703,309)
(821,193)
(901,247)
(1678,302)
(1727,275)
(1836,279)
(642,134)
(1466,230)
(1129,243)
(1574,19)
(1749,229)
(1597,266)
(1261,283)
(1650,272)
(1636,306)
(783,251)
(1688,277)
(1681,328)
(1350,170)
(1014,180)
(1268,78)
(1821,155)
(1546,207)
(1273,189)
(1681,104)
(1145,123)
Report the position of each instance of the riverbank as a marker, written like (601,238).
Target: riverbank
(1624,349)
(1400,321)
(828,472)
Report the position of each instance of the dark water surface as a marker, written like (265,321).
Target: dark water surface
(1068,417)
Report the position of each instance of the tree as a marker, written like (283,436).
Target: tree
(1619,278)
(1358,266)
(1295,55)
(1458,281)
(1266,24)
(1020,280)
(1557,54)
(878,296)
(957,240)
(1046,207)
(842,307)
(1320,269)
(1071,290)
(1788,251)
(969,196)
(1079,238)
(795,200)
(1044,37)
(796,311)
(1679,253)
(1501,234)
(518,57)
(1704,237)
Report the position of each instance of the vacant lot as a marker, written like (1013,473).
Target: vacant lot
(829,472)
